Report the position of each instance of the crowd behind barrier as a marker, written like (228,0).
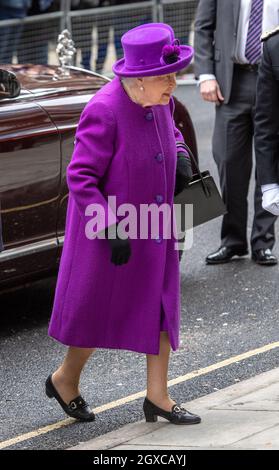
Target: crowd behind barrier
(29,28)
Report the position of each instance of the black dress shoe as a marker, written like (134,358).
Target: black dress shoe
(265,257)
(178,414)
(77,408)
(224,254)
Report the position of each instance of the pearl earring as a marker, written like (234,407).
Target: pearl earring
(141,88)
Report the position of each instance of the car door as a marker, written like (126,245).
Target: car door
(29,186)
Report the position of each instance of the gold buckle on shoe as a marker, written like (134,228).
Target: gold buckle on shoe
(177,409)
(73,405)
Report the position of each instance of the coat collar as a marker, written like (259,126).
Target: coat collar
(128,102)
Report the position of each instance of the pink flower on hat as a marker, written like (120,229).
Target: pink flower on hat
(170,53)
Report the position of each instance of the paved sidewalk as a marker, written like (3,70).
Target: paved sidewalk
(242,416)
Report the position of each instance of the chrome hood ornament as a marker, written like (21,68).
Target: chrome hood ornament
(65,50)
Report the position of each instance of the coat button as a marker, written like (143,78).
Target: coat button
(158,239)
(159,157)
(159,198)
(149,116)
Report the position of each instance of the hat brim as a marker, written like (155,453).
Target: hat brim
(184,59)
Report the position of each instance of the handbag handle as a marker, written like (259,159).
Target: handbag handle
(180,143)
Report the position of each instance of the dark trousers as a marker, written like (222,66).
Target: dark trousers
(232,151)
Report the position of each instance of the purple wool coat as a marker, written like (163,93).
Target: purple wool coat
(128,151)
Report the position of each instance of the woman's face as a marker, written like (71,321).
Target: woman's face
(157,90)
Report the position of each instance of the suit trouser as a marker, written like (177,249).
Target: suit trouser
(233,154)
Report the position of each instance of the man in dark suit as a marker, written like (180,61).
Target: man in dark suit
(267,122)
(228,51)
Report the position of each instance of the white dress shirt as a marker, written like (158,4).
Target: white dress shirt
(270,198)
(270,21)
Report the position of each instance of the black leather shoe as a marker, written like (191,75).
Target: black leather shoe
(178,414)
(225,254)
(265,257)
(77,408)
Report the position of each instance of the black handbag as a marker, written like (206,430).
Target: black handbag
(202,193)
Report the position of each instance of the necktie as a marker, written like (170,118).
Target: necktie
(253,44)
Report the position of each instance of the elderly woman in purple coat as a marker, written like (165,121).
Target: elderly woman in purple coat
(116,288)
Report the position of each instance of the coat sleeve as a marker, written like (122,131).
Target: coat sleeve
(205,24)
(266,122)
(94,149)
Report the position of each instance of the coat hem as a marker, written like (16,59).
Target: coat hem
(102,346)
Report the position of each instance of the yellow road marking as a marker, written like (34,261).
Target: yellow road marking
(135,396)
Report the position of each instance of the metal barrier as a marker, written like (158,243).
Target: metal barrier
(179,14)
(96,31)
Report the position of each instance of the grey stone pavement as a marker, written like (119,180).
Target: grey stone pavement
(242,416)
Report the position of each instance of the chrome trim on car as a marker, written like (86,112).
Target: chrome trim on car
(88,72)
(30,249)
(61,240)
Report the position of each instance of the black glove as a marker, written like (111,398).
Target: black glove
(182,240)
(120,248)
(184,173)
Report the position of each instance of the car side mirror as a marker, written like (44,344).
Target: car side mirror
(9,85)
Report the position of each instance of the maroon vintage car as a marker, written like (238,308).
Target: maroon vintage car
(38,123)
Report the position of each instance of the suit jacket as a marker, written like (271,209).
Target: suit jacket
(267,113)
(215,40)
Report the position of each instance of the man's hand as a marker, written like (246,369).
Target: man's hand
(210,91)
(270,200)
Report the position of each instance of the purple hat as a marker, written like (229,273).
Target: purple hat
(151,49)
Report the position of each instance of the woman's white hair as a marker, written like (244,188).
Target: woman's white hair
(130,81)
